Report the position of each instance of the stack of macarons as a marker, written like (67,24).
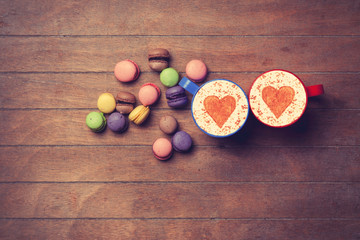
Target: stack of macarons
(181,141)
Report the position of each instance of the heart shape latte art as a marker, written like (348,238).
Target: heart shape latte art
(220,109)
(278,99)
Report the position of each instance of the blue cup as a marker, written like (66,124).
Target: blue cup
(219,107)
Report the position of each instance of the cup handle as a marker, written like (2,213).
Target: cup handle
(188,85)
(315,90)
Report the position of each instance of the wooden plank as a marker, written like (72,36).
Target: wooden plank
(67,127)
(81,90)
(231,17)
(178,229)
(180,200)
(221,54)
(102,164)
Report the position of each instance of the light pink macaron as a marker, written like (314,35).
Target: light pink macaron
(149,93)
(126,71)
(196,70)
(162,149)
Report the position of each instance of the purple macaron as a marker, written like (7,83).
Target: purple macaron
(181,141)
(117,122)
(176,97)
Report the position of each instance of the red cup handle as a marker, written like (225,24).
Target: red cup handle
(315,90)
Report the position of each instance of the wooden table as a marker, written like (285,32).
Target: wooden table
(58,180)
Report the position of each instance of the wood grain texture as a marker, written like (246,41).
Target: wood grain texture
(112,164)
(53,127)
(81,90)
(178,229)
(58,180)
(221,54)
(160,17)
(180,200)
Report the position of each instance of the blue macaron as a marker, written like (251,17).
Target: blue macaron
(176,97)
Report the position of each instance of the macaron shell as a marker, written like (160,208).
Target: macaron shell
(139,114)
(158,52)
(148,94)
(106,103)
(117,122)
(196,70)
(176,97)
(126,71)
(158,59)
(96,121)
(168,124)
(125,97)
(169,77)
(178,102)
(125,102)
(124,108)
(181,141)
(162,149)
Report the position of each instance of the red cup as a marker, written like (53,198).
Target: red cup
(278,98)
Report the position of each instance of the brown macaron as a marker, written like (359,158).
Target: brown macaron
(125,102)
(168,124)
(158,59)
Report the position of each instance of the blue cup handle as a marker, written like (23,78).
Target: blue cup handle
(189,85)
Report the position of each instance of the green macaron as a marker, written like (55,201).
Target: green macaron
(169,77)
(96,121)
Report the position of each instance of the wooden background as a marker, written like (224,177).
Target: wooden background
(58,180)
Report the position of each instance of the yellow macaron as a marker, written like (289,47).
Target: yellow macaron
(139,114)
(106,103)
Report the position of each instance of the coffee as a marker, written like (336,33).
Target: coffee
(278,98)
(220,108)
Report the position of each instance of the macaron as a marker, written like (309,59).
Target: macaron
(125,102)
(168,124)
(162,149)
(96,121)
(196,70)
(126,71)
(169,77)
(106,103)
(117,122)
(149,93)
(176,97)
(139,114)
(181,141)
(158,59)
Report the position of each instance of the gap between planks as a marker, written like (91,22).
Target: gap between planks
(184,182)
(199,219)
(189,36)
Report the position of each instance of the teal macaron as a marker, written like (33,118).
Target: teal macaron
(169,77)
(96,121)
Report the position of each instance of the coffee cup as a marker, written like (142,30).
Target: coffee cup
(219,107)
(278,98)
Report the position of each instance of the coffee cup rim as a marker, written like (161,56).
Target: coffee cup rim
(306,100)
(247,114)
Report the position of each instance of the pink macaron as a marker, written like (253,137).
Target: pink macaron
(149,93)
(162,149)
(126,71)
(196,70)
